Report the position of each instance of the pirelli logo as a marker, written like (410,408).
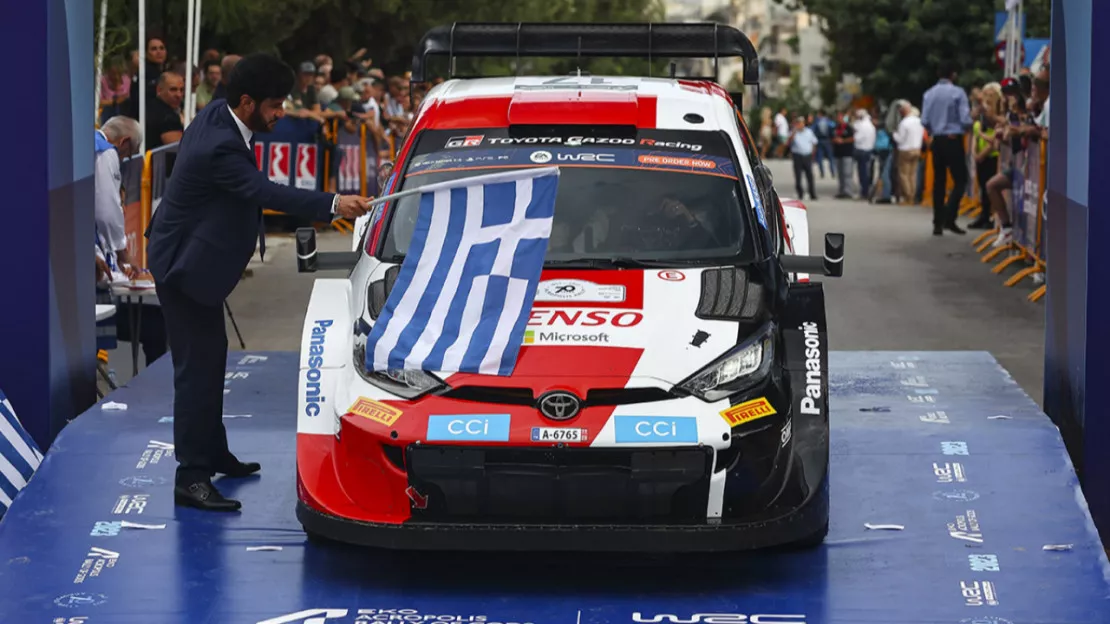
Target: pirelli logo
(748,411)
(375,411)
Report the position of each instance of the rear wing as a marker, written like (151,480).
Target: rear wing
(584,40)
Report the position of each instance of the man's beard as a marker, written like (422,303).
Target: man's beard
(257,123)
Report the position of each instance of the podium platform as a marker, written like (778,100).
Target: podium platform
(944,444)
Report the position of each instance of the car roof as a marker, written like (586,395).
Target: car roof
(658,103)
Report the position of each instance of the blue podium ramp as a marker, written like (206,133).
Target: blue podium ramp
(944,444)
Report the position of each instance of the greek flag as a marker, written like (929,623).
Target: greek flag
(466,286)
(19,457)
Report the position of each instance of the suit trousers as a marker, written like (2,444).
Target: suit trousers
(948,156)
(198,347)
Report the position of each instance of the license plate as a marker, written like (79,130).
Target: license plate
(558,434)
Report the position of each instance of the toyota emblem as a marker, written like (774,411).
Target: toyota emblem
(559,405)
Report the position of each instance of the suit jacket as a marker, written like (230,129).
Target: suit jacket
(205,229)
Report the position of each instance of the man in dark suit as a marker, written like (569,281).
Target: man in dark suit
(200,240)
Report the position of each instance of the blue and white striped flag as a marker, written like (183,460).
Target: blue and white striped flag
(466,286)
(19,456)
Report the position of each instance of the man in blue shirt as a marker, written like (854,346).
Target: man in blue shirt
(823,129)
(946,114)
(803,144)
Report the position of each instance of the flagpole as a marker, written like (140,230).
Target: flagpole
(489,178)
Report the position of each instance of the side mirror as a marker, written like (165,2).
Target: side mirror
(829,265)
(309,260)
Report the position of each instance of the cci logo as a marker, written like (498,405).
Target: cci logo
(106,529)
(656,429)
(279,163)
(469,427)
(306,166)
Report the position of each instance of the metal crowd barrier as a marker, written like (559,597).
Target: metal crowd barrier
(1026,208)
(299,152)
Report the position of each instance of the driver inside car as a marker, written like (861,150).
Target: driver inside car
(670,226)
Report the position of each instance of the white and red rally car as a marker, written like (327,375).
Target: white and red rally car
(671,392)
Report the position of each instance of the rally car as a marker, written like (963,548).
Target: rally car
(671,389)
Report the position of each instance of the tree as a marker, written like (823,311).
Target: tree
(897,46)
(298,30)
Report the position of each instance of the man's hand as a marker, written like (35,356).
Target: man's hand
(352,206)
(102,269)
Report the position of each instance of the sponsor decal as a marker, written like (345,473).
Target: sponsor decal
(80,599)
(748,411)
(321,616)
(949,472)
(580,318)
(375,411)
(258,155)
(558,434)
(130,504)
(717,618)
(813,369)
(757,201)
(965,496)
(473,140)
(983,563)
(784,437)
(979,593)
(915,382)
(542,156)
(939,418)
(920,399)
(953,448)
(985,619)
(154,453)
(575,141)
(675,161)
(655,429)
(77,619)
(252,359)
(469,427)
(966,528)
(532,336)
(312,395)
(306,167)
(419,501)
(525,140)
(586,157)
(699,338)
(106,529)
(98,560)
(279,163)
(580,290)
(142,481)
(672,276)
(693,147)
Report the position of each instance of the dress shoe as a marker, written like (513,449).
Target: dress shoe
(937,231)
(203,495)
(952,227)
(980,225)
(238,469)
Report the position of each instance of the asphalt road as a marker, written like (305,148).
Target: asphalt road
(903,289)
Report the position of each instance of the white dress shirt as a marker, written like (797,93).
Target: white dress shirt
(865,135)
(248,134)
(910,134)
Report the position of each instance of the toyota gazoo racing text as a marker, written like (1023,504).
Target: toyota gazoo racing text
(671,391)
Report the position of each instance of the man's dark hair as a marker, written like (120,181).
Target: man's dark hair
(338,74)
(261,77)
(210,63)
(948,69)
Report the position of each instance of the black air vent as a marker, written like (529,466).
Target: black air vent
(728,295)
(378,291)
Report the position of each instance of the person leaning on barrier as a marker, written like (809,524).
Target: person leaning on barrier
(200,241)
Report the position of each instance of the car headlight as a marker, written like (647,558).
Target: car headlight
(407,384)
(739,369)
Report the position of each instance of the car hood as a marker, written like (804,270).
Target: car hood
(628,328)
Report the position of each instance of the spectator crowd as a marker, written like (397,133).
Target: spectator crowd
(881,158)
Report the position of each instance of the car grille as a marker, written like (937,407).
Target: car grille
(525,396)
(539,486)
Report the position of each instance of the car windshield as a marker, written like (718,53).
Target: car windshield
(647,197)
